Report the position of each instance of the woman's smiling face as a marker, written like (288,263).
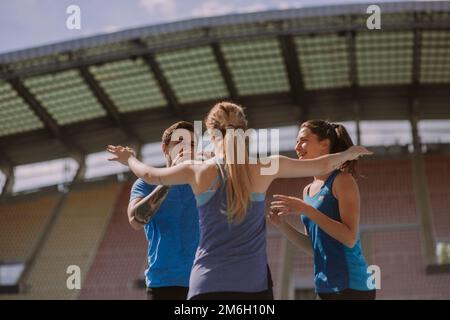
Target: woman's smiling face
(308,145)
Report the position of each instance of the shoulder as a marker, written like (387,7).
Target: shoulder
(141,189)
(139,183)
(204,173)
(344,178)
(344,182)
(204,168)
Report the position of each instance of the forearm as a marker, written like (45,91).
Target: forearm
(332,161)
(334,228)
(299,239)
(144,210)
(143,171)
(131,217)
(295,168)
(134,223)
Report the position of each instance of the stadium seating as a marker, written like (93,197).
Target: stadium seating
(387,194)
(72,241)
(22,223)
(92,232)
(438,173)
(120,259)
(403,276)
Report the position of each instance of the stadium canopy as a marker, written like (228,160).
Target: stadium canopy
(72,98)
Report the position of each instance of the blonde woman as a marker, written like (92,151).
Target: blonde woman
(231,261)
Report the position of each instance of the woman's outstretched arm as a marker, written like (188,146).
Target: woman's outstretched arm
(296,168)
(180,174)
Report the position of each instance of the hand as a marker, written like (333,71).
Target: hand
(355,152)
(181,157)
(274,219)
(121,154)
(205,155)
(289,205)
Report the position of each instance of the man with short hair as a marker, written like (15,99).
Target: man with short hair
(170,219)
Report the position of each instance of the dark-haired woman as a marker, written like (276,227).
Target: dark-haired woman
(330,213)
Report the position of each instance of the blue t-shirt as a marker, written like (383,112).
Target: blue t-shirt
(336,267)
(172,234)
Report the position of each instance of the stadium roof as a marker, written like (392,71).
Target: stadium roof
(73,98)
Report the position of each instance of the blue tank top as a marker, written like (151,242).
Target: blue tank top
(336,267)
(231,256)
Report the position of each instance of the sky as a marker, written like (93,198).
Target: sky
(31,23)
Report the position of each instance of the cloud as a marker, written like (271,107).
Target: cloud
(212,8)
(159,7)
(252,8)
(287,5)
(111,28)
(216,8)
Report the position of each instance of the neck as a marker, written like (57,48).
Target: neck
(322,178)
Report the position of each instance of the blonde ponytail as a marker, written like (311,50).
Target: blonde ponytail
(238,176)
(230,119)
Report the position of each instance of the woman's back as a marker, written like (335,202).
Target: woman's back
(231,256)
(207,173)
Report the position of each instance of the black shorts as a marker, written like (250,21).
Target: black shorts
(167,293)
(230,295)
(348,294)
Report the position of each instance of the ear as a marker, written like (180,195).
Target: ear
(325,144)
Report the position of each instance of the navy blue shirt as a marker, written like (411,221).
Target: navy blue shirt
(172,234)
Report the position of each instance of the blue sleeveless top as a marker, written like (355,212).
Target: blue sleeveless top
(231,255)
(336,267)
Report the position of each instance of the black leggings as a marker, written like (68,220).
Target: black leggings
(348,294)
(167,293)
(230,295)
